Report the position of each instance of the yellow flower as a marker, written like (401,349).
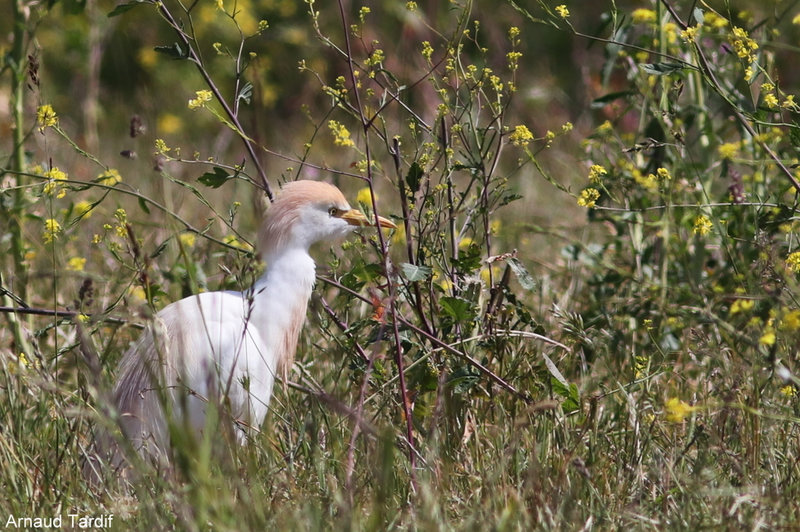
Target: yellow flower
(596,173)
(76,264)
(202,97)
(233,241)
(54,175)
(110,177)
(771,101)
(411,6)
(741,305)
(399,235)
(702,225)
(589,197)
(789,390)
(341,135)
(729,150)
(364,197)
(790,321)
(562,11)
(796,20)
(168,124)
(643,16)
(676,410)
(748,74)
(161,147)
(793,262)
(768,338)
(465,243)
(52,229)
(690,34)
(663,174)
(649,181)
(712,19)
(743,44)
(46,116)
(521,136)
(187,239)
(138,294)
(82,209)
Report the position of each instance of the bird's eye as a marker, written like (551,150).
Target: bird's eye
(333,211)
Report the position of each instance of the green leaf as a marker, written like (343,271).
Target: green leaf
(215,179)
(414,273)
(457,308)
(414,177)
(524,277)
(659,69)
(174,52)
(143,205)
(122,8)
(604,100)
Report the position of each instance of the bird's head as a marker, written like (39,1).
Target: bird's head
(306,212)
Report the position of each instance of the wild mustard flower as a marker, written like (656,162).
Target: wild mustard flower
(201,98)
(771,101)
(676,410)
(743,45)
(341,135)
(187,239)
(643,16)
(748,74)
(521,136)
(52,230)
(411,6)
(363,12)
(729,150)
(690,34)
(768,338)
(513,60)
(790,321)
(713,20)
(161,147)
(663,174)
(110,177)
(76,264)
(263,25)
(82,209)
(364,197)
(137,294)
(465,243)
(46,116)
(596,173)
(741,306)
(648,181)
(788,390)
(52,185)
(796,20)
(235,242)
(562,11)
(702,225)
(589,197)
(793,262)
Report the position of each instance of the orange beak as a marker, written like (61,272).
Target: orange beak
(356,217)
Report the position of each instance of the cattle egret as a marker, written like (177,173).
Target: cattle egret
(227,347)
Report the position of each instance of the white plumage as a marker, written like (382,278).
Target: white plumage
(227,347)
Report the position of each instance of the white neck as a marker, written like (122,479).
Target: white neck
(280,299)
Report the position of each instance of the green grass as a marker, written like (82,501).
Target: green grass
(627,363)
